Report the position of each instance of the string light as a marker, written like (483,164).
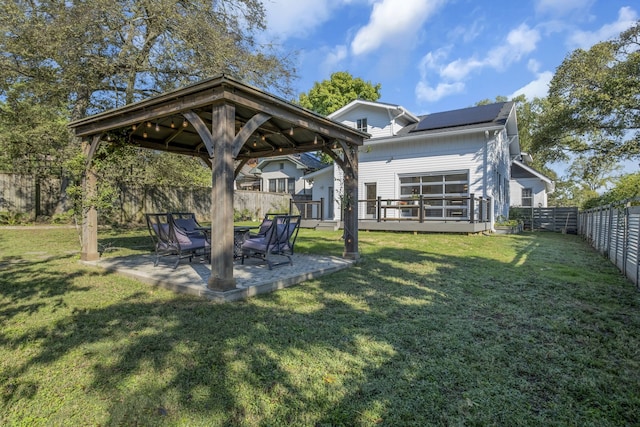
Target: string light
(157,127)
(185,123)
(173,125)
(148,124)
(315,140)
(134,127)
(291,132)
(144,134)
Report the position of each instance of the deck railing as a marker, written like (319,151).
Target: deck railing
(421,209)
(308,209)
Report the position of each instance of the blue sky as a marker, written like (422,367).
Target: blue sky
(437,55)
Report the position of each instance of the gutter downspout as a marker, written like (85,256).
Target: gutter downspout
(485,179)
(393,119)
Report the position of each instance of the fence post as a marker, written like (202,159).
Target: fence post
(379,208)
(321,209)
(421,207)
(489,209)
(472,208)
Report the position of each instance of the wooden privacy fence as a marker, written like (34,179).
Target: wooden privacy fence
(24,194)
(29,195)
(614,231)
(558,219)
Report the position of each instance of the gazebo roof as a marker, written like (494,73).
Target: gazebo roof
(270,125)
(226,123)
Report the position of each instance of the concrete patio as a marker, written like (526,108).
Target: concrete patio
(252,278)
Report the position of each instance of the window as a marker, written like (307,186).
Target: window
(282,166)
(362,124)
(527,197)
(282,185)
(444,194)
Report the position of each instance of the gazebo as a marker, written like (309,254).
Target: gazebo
(225,123)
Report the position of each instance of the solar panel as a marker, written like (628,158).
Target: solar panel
(462,117)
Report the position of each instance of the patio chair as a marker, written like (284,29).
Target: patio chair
(279,240)
(188,223)
(171,240)
(266,223)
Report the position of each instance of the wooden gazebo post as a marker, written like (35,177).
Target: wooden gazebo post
(223,131)
(90,214)
(350,212)
(348,162)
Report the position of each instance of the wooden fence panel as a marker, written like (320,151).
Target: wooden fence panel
(23,194)
(556,219)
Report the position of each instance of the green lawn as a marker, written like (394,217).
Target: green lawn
(432,329)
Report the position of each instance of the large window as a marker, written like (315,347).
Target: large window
(445,194)
(282,185)
(527,197)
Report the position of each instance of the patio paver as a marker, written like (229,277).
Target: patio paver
(252,278)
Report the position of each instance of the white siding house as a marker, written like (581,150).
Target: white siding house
(284,174)
(529,188)
(458,153)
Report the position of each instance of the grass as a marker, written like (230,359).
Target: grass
(532,329)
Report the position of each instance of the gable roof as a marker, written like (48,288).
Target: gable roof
(301,161)
(496,114)
(521,170)
(394,109)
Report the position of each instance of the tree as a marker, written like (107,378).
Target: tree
(625,187)
(65,60)
(342,88)
(100,54)
(593,106)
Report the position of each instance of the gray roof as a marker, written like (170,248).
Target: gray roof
(308,160)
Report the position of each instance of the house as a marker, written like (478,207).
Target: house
(447,159)
(284,174)
(528,187)
(247,180)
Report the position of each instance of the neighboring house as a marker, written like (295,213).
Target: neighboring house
(528,187)
(284,174)
(459,153)
(247,180)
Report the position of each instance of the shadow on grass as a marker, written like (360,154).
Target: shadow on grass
(406,337)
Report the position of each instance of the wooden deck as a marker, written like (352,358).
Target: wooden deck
(464,227)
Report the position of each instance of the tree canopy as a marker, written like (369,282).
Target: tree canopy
(330,95)
(62,61)
(593,107)
(101,54)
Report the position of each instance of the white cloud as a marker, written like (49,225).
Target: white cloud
(533,65)
(389,22)
(585,39)
(538,88)
(297,18)
(519,42)
(334,58)
(424,92)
